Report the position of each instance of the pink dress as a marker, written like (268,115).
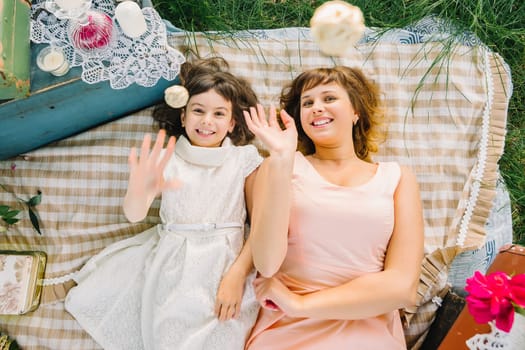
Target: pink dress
(336,234)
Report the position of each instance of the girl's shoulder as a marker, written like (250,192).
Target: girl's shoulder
(249,158)
(249,150)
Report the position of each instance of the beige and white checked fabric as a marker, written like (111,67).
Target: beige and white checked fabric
(447,121)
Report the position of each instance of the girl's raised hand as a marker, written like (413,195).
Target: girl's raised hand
(146,171)
(276,140)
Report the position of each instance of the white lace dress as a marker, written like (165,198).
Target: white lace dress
(157,290)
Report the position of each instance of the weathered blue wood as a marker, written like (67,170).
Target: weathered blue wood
(59,107)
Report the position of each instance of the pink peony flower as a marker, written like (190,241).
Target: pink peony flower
(517,287)
(495,297)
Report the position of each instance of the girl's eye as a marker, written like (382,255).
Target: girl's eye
(330,98)
(197,111)
(220,115)
(307,103)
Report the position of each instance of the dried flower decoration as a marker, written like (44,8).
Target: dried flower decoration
(176,96)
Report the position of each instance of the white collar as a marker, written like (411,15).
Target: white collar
(208,156)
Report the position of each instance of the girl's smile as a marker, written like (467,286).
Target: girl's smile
(207,119)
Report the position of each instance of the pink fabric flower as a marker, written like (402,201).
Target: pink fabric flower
(95,33)
(493,297)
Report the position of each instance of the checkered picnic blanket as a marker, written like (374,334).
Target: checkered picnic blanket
(446,99)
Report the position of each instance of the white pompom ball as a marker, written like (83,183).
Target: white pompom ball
(176,96)
(337,26)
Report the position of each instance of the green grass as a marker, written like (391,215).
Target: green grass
(500,24)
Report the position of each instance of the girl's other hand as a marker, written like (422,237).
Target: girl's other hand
(229,296)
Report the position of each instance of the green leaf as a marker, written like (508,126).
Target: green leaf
(34,220)
(10,221)
(519,310)
(4,209)
(10,214)
(33,201)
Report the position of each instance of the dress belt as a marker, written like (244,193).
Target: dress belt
(200,227)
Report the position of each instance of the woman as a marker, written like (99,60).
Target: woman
(337,239)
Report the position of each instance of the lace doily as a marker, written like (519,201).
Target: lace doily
(489,341)
(497,339)
(143,60)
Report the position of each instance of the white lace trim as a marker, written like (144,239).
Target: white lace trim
(59,280)
(142,60)
(482,159)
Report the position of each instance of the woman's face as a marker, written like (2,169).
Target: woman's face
(207,119)
(327,115)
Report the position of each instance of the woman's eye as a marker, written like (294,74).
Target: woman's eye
(330,98)
(307,103)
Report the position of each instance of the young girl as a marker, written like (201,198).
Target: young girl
(337,238)
(186,283)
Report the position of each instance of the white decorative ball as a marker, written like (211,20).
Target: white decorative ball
(176,96)
(336,26)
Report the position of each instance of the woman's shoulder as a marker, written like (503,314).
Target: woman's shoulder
(300,163)
(397,168)
(391,167)
(398,173)
(389,175)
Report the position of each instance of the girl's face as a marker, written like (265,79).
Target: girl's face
(207,119)
(327,115)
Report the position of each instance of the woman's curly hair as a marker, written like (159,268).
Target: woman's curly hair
(363,94)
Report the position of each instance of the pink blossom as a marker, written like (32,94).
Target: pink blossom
(517,287)
(490,298)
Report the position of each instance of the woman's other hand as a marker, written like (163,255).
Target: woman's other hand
(274,295)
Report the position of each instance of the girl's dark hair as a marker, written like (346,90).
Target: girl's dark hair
(363,94)
(202,76)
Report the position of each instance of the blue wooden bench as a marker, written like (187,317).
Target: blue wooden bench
(59,107)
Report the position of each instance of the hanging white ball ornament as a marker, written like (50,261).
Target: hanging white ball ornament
(337,26)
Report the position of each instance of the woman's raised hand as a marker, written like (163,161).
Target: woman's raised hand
(277,141)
